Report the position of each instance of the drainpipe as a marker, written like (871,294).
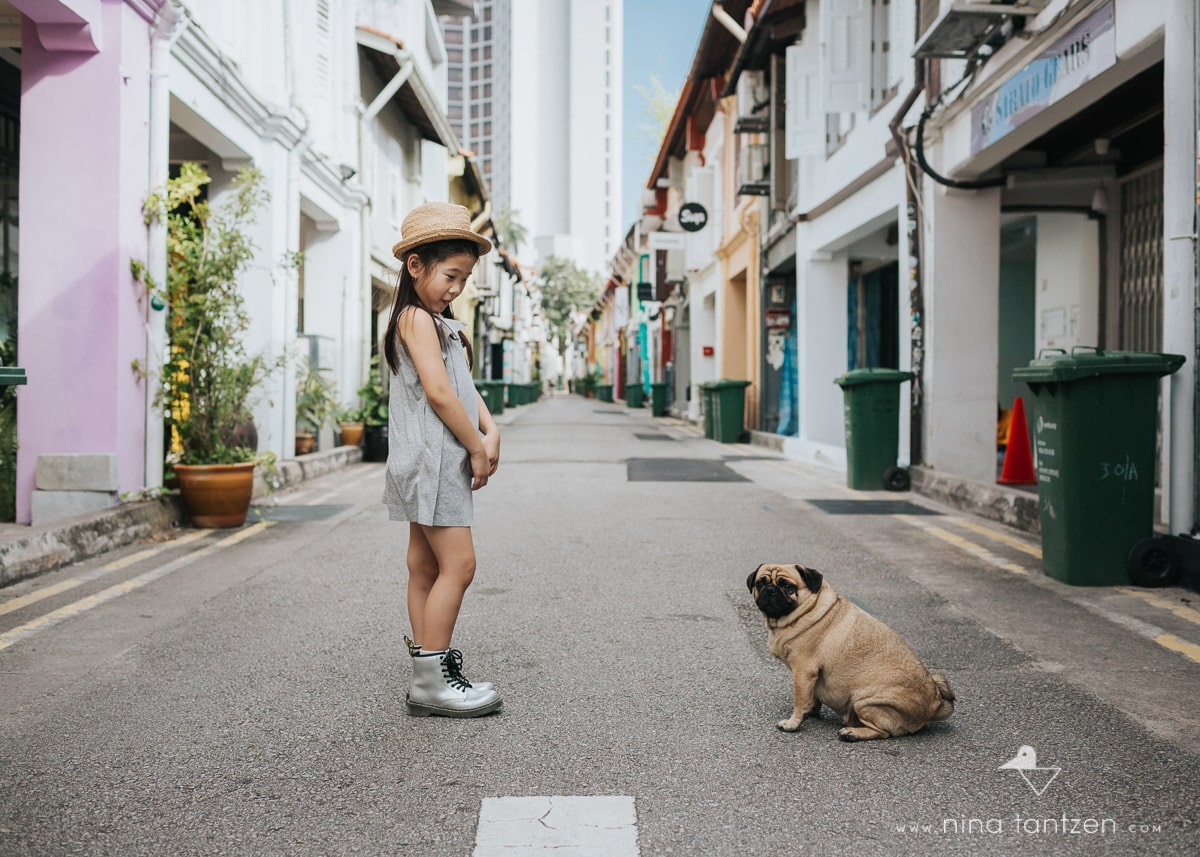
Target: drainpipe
(1179,257)
(916,295)
(168,24)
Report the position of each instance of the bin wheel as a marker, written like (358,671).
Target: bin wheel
(1152,563)
(897,479)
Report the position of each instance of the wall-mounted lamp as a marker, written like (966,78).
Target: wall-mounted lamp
(1100,200)
(348,172)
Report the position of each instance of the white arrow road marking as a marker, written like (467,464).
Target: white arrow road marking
(604,826)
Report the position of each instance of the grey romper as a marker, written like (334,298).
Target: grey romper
(428,471)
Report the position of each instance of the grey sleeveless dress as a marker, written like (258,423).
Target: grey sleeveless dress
(428,471)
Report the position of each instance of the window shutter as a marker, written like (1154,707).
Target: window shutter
(846,55)
(805,118)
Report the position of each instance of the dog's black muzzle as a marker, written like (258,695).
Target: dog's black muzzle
(772,601)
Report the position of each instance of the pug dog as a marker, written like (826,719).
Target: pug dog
(843,657)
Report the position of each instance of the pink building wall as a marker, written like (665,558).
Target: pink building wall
(84,169)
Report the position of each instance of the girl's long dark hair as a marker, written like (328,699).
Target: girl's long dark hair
(406,295)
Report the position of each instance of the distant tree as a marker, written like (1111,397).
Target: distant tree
(566,289)
(658,109)
(512,231)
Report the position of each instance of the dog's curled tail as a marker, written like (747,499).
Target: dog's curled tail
(946,708)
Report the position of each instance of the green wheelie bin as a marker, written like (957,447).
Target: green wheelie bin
(729,409)
(635,395)
(871,402)
(604,392)
(658,399)
(492,395)
(1094,416)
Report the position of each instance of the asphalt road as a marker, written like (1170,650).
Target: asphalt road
(242,693)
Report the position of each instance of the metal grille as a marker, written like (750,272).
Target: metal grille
(1141,261)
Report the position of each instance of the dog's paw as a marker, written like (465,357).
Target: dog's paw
(848,736)
(789,725)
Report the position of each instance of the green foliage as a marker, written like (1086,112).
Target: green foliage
(316,400)
(658,109)
(512,231)
(374,397)
(566,289)
(208,380)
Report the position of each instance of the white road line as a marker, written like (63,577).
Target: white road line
(15,604)
(53,618)
(601,826)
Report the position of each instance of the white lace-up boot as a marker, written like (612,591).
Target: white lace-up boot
(438,688)
(414,649)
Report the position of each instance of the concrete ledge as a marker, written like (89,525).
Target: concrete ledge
(76,471)
(293,471)
(45,548)
(770,441)
(1017,509)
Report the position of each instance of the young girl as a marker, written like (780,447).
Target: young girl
(442,445)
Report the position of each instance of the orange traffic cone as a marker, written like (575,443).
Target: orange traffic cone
(1018,459)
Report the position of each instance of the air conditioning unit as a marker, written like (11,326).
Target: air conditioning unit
(753,172)
(753,103)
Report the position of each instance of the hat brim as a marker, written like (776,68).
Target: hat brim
(401,248)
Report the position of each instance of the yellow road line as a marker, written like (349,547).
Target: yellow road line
(963,544)
(71,610)
(1003,538)
(1153,600)
(1189,650)
(23,601)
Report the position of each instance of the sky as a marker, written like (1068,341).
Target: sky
(660,39)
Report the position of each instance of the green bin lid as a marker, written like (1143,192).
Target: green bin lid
(1079,364)
(726,383)
(11,376)
(873,376)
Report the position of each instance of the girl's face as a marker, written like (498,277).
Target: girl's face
(440,283)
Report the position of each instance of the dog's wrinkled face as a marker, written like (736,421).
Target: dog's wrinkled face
(779,589)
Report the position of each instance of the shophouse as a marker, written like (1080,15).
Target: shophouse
(112,97)
(943,191)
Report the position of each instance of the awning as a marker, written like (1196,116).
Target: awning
(415,98)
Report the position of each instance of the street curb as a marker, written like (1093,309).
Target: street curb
(37,550)
(52,546)
(1006,505)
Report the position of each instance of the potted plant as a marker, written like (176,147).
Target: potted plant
(374,400)
(208,379)
(315,404)
(349,420)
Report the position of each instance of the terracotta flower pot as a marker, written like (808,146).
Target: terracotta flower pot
(305,443)
(216,495)
(351,433)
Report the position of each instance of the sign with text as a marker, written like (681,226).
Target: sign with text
(1082,53)
(692,216)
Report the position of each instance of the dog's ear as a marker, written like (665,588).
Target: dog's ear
(811,577)
(753,574)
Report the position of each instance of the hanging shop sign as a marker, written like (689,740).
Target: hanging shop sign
(692,216)
(1083,52)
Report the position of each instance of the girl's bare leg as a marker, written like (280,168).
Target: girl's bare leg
(438,596)
(422,572)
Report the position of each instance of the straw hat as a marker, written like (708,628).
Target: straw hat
(437,221)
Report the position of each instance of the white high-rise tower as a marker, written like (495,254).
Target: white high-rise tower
(535,93)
